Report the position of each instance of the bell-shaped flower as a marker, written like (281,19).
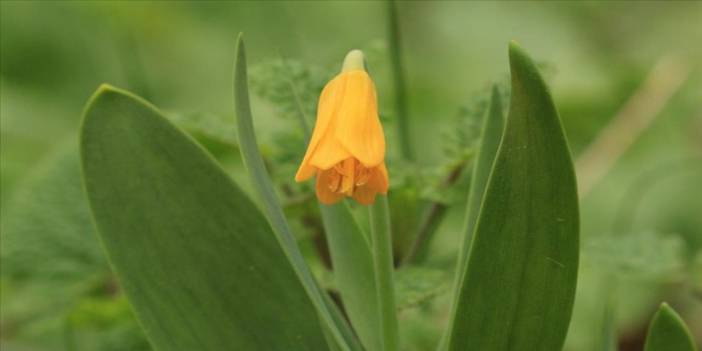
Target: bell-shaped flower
(347,148)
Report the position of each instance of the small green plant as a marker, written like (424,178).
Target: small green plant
(205,267)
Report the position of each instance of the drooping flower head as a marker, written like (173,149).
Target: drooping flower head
(347,148)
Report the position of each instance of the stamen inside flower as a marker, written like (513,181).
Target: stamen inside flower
(346,176)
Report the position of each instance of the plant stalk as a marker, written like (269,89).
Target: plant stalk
(383,263)
(401,111)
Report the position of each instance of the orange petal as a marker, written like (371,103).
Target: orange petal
(358,127)
(329,152)
(365,195)
(348,181)
(328,101)
(379,179)
(377,183)
(324,188)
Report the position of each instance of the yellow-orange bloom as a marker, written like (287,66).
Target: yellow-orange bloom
(347,148)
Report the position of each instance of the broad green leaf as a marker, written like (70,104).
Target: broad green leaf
(334,325)
(518,287)
(198,262)
(668,332)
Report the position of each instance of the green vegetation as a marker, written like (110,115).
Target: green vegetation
(192,203)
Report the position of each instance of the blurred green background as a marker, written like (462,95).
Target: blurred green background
(633,62)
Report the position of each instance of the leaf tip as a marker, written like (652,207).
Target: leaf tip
(518,56)
(665,309)
(239,40)
(103,90)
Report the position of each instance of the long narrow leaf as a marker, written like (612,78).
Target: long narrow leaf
(491,135)
(519,282)
(379,216)
(197,260)
(338,331)
(353,272)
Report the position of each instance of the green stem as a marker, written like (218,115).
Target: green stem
(69,336)
(402,117)
(383,263)
(608,336)
(430,222)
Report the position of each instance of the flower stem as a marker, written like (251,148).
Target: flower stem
(383,264)
(402,117)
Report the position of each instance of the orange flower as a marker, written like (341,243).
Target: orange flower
(347,148)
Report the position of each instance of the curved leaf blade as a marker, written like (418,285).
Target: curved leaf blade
(197,260)
(518,287)
(491,135)
(381,238)
(335,326)
(668,332)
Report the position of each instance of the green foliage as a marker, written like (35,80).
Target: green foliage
(191,269)
(416,286)
(646,256)
(518,285)
(291,86)
(668,332)
(491,135)
(208,126)
(464,132)
(49,233)
(58,292)
(56,280)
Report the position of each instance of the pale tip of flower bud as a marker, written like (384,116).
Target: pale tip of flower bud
(354,61)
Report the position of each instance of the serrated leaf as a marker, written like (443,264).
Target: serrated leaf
(198,262)
(668,332)
(518,287)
